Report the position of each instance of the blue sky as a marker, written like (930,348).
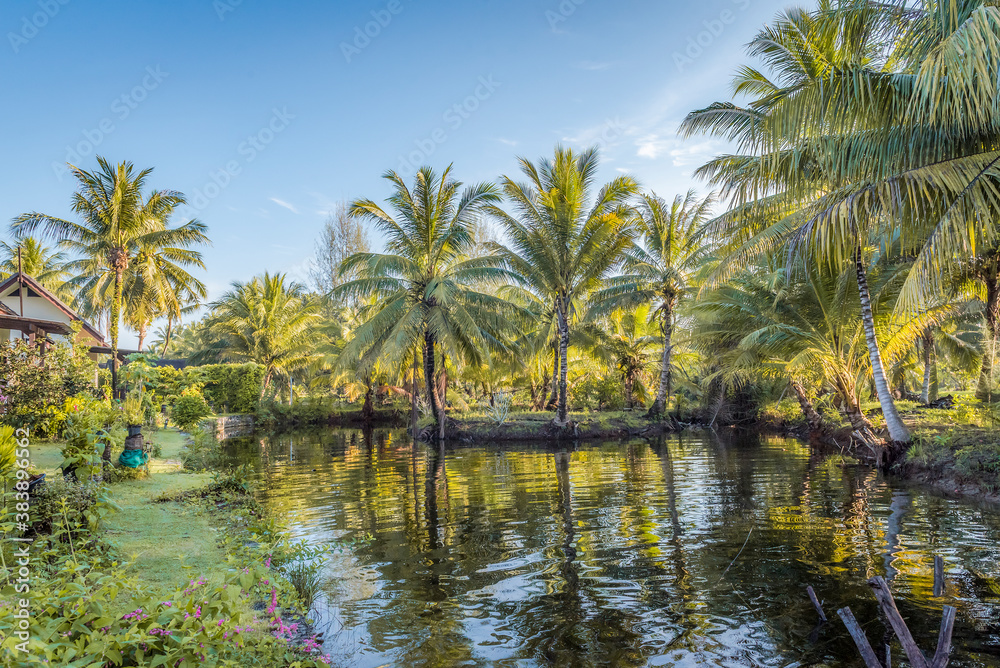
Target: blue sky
(265,114)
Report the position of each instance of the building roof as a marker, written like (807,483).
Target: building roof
(6,310)
(43,292)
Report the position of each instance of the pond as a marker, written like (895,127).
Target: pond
(693,550)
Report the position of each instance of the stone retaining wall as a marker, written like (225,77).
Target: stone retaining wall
(229,426)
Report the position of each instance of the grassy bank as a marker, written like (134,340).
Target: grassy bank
(158,569)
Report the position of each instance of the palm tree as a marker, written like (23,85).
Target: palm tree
(156,283)
(868,124)
(561,245)
(421,289)
(268,321)
(116,217)
(46,266)
(659,271)
(626,342)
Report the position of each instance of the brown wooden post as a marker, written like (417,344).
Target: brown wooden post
(815,602)
(938,576)
(860,639)
(944,638)
(888,605)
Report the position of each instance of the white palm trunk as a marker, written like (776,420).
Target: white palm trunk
(893,422)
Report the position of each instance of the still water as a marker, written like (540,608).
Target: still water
(694,550)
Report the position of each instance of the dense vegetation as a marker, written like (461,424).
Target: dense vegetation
(848,253)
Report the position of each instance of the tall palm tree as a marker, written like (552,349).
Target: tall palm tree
(115,217)
(422,288)
(659,271)
(156,283)
(868,122)
(560,244)
(45,265)
(269,321)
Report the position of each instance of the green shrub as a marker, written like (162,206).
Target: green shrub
(35,386)
(201,452)
(598,393)
(980,462)
(189,409)
(8,448)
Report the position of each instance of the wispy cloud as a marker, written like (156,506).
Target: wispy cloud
(594,66)
(285,204)
(508,142)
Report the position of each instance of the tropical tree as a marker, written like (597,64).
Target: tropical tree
(116,220)
(44,264)
(659,270)
(422,288)
(266,320)
(156,283)
(868,122)
(560,243)
(625,340)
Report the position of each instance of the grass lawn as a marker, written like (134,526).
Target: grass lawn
(171,542)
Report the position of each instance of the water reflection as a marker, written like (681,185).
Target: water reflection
(687,551)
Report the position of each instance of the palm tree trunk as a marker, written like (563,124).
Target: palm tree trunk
(561,413)
(550,405)
(267,381)
(813,419)
(116,307)
(430,376)
(927,343)
(166,339)
(413,392)
(894,423)
(667,327)
(984,391)
(142,335)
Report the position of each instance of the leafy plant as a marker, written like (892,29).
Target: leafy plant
(499,410)
(190,409)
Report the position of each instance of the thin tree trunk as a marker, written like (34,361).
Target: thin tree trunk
(561,414)
(413,392)
(550,405)
(429,377)
(267,381)
(166,339)
(813,419)
(659,406)
(142,336)
(116,307)
(927,343)
(894,423)
(368,409)
(984,391)
(443,396)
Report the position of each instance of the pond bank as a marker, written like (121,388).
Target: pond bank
(176,546)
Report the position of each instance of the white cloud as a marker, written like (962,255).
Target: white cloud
(285,204)
(593,66)
(508,142)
